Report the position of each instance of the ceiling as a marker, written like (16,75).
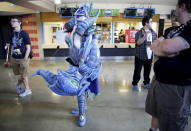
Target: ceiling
(37,5)
(153,2)
(10,9)
(31,6)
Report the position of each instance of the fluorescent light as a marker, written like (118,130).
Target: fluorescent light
(57,2)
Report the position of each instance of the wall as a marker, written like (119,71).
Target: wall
(31,24)
(51,17)
(55,20)
(55,17)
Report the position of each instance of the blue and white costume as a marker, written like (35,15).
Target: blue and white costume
(82,76)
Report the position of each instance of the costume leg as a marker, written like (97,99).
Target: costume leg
(82,104)
(76,111)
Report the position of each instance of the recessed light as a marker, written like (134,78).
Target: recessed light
(57,2)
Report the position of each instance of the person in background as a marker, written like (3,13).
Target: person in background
(143,55)
(20,52)
(122,36)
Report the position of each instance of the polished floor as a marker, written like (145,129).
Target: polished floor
(117,108)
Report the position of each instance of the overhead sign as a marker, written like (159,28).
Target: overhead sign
(69,12)
(105,12)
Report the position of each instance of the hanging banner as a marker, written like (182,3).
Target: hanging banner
(105,12)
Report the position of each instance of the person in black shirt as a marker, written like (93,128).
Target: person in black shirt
(175,25)
(169,97)
(20,52)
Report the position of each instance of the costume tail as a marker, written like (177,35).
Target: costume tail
(47,75)
(65,83)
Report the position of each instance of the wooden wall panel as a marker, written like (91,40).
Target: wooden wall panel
(30,24)
(52,17)
(55,17)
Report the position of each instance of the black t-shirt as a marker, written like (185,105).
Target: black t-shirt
(177,69)
(19,40)
(168,30)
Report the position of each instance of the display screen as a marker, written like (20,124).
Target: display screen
(149,12)
(68,11)
(139,12)
(130,12)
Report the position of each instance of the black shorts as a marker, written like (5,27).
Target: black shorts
(170,104)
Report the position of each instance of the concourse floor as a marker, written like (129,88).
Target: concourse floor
(117,108)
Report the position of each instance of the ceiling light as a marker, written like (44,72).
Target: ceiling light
(57,2)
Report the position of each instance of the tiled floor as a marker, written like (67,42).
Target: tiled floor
(117,108)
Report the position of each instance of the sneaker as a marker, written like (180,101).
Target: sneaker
(82,120)
(27,92)
(147,86)
(19,89)
(135,88)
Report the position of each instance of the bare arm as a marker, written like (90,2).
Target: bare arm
(28,51)
(169,47)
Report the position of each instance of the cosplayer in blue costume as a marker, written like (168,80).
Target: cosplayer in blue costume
(82,76)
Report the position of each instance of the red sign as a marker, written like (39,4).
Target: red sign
(130,36)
